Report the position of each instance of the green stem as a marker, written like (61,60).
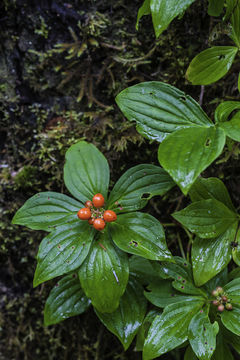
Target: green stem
(180,246)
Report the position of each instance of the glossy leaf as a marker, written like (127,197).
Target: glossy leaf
(138,185)
(215,7)
(62,251)
(219,280)
(66,299)
(235,273)
(230,319)
(232,127)
(164,11)
(236,255)
(233,290)
(211,256)
(125,321)
(206,218)
(210,188)
(181,272)
(160,109)
(222,352)
(140,234)
(224,110)
(46,210)
(170,329)
(231,339)
(143,270)
(86,171)
(181,267)
(202,335)
(104,274)
(211,65)
(162,294)
(143,10)
(142,333)
(194,150)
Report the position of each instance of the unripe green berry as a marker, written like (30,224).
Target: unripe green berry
(228,306)
(214,293)
(220,290)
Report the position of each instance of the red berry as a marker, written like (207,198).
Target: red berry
(215,293)
(221,308)
(109,216)
(216,302)
(98,200)
(88,204)
(99,224)
(84,213)
(90,221)
(224,298)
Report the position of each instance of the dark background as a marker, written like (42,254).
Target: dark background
(50,97)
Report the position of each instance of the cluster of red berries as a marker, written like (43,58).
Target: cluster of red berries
(95,213)
(221,301)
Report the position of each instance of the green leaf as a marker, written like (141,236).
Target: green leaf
(235,273)
(232,127)
(210,188)
(86,171)
(160,109)
(211,256)
(194,150)
(230,319)
(162,294)
(218,280)
(235,20)
(230,5)
(164,11)
(66,299)
(206,218)
(143,10)
(222,351)
(181,267)
(46,210)
(202,335)
(189,354)
(62,251)
(215,7)
(126,320)
(211,65)
(231,339)
(239,82)
(104,274)
(142,333)
(233,290)
(170,329)
(236,247)
(140,234)
(224,110)
(181,272)
(236,255)
(138,185)
(142,269)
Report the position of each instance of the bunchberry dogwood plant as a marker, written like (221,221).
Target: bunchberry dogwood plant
(91,236)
